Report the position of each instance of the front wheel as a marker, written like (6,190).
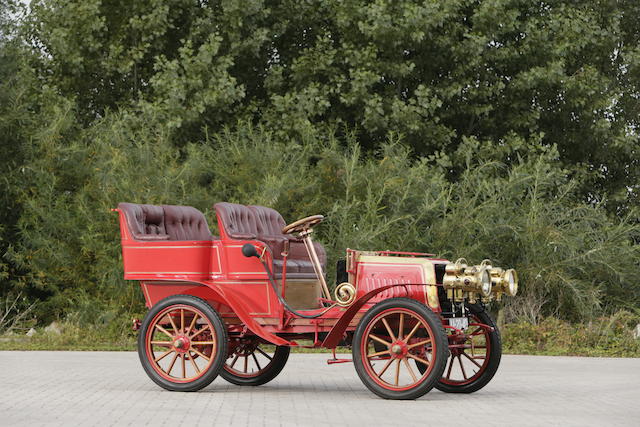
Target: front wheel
(182,343)
(404,332)
(474,355)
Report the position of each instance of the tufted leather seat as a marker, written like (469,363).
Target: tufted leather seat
(146,222)
(265,224)
(166,222)
(236,221)
(269,222)
(185,223)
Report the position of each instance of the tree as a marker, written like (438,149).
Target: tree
(437,72)
(506,118)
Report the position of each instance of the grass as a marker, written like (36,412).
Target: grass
(604,337)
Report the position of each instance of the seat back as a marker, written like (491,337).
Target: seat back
(151,222)
(236,221)
(265,224)
(269,222)
(185,223)
(145,222)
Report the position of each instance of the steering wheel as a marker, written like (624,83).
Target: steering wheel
(302,224)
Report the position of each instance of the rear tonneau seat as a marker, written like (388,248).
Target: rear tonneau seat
(166,222)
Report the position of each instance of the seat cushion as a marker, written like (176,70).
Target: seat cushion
(185,223)
(269,225)
(295,269)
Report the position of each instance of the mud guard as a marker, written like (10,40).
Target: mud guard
(240,310)
(335,334)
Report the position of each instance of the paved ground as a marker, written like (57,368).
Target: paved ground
(100,388)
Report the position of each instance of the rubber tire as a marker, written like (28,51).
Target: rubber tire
(221,336)
(280,358)
(440,356)
(494,358)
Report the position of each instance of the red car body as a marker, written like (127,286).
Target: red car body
(239,289)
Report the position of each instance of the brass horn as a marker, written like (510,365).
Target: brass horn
(345,293)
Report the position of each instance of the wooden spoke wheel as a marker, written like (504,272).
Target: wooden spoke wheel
(251,362)
(474,355)
(390,338)
(182,343)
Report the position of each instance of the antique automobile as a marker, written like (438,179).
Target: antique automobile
(236,304)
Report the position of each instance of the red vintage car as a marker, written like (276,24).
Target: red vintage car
(235,305)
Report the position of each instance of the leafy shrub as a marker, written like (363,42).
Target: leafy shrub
(610,336)
(431,127)
(573,259)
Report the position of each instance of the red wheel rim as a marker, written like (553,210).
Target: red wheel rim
(470,354)
(246,358)
(175,345)
(406,336)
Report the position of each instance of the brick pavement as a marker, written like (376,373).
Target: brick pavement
(103,388)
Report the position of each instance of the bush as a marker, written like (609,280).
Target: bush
(610,336)
(484,130)
(572,258)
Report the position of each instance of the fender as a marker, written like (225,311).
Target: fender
(335,334)
(241,310)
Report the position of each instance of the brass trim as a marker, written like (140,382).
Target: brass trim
(345,294)
(427,272)
(246,272)
(432,296)
(315,261)
(219,271)
(217,248)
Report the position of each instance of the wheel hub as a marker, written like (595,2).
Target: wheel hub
(457,343)
(181,344)
(398,349)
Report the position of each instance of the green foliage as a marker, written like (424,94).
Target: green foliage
(501,129)
(572,257)
(109,333)
(603,337)
(438,71)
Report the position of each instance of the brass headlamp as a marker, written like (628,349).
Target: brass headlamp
(461,277)
(462,281)
(510,282)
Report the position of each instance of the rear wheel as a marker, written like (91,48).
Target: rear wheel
(251,362)
(408,332)
(182,343)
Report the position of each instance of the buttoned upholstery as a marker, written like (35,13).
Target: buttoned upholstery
(153,223)
(236,221)
(269,229)
(265,224)
(269,222)
(185,223)
(146,222)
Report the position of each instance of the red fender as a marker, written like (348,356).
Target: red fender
(335,334)
(242,311)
